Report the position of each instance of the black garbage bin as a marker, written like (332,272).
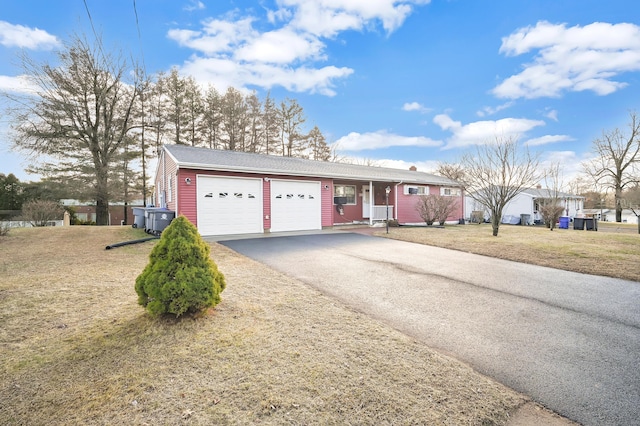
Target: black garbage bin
(591,224)
(578,223)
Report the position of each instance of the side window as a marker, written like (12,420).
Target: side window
(416,190)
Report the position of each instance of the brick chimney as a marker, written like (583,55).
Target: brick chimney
(413,168)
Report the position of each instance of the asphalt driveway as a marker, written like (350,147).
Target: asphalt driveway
(570,341)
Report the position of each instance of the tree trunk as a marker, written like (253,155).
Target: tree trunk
(618,198)
(495,224)
(102,197)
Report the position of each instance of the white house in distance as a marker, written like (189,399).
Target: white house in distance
(609,215)
(528,202)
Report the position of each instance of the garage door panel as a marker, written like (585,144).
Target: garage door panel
(229,205)
(295,206)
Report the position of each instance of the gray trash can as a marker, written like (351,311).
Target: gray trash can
(578,223)
(160,219)
(148,218)
(138,217)
(525,219)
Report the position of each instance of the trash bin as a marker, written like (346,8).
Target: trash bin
(564,222)
(138,217)
(591,224)
(160,219)
(578,223)
(525,219)
(148,218)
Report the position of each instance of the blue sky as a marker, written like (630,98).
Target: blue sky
(400,82)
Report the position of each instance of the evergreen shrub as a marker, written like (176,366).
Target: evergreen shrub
(180,276)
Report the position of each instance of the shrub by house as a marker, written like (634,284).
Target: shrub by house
(180,276)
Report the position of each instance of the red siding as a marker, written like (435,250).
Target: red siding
(266,204)
(187,195)
(327,202)
(406,206)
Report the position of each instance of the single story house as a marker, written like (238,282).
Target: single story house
(609,215)
(86,211)
(228,192)
(528,203)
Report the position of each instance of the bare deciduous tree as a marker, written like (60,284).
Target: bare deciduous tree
(549,206)
(617,162)
(631,201)
(496,172)
(452,171)
(40,212)
(77,121)
(436,208)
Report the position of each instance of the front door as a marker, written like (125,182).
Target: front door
(366,200)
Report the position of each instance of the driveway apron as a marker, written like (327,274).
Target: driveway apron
(570,341)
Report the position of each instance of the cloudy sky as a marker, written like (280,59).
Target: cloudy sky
(401,82)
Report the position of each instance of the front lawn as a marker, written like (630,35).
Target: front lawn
(77,349)
(613,251)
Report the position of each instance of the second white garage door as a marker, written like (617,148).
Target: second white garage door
(229,205)
(295,206)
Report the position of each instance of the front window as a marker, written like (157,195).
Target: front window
(450,192)
(347,192)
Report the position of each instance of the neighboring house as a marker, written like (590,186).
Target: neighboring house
(528,203)
(609,215)
(86,211)
(229,192)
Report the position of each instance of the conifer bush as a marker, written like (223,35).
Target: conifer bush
(180,276)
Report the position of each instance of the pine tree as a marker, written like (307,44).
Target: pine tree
(180,276)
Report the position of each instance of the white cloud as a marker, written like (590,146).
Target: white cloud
(292,51)
(27,38)
(552,114)
(570,164)
(570,59)
(326,18)
(18,84)
(415,106)
(421,166)
(381,139)
(224,73)
(492,110)
(547,139)
(282,46)
(482,132)
(194,5)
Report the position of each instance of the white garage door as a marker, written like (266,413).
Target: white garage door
(295,206)
(229,205)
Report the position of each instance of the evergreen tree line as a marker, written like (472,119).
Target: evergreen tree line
(95,121)
(179,111)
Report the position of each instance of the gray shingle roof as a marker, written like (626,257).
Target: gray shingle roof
(188,157)
(545,193)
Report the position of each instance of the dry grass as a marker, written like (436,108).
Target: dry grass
(612,251)
(77,349)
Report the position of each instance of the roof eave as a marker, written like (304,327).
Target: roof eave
(256,170)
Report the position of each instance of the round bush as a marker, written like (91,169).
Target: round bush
(180,276)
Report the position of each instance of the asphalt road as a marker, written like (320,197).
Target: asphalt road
(570,341)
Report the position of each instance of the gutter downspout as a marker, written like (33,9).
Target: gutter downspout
(395,213)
